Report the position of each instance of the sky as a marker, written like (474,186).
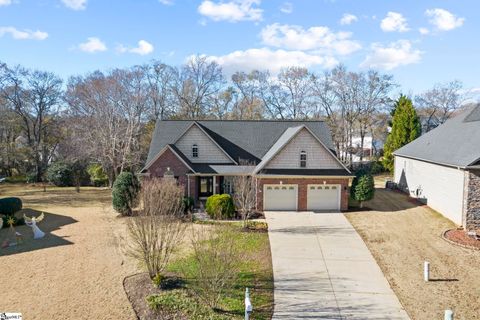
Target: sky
(420,43)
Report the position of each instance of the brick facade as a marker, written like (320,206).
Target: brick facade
(472,200)
(302,189)
(169,160)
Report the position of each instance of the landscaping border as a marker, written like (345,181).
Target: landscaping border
(444,237)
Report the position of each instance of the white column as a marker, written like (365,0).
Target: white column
(214,185)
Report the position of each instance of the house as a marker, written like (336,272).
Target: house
(293,162)
(442,167)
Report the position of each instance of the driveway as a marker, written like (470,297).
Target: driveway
(323,270)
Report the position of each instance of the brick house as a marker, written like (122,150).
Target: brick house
(293,162)
(442,168)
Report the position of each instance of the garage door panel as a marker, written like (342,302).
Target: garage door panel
(280,197)
(323,197)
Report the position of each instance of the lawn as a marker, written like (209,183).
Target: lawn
(401,234)
(76,271)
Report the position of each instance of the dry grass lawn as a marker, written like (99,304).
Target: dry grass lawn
(76,271)
(402,235)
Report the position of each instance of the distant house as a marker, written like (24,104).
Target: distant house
(292,162)
(442,167)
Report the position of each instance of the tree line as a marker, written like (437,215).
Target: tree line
(107,117)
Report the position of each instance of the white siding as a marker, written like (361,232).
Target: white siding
(208,151)
(317,156)
(440,186)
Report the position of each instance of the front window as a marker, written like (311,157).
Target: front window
(303,159)
(205,186)
(195,151)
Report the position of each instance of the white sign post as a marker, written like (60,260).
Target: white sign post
(448,315)
(248,305)
(426,271)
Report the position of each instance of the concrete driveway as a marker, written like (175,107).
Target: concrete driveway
(323,270)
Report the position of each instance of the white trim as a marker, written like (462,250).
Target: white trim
(204,132)
(265,176)
(432,162)
(283,184)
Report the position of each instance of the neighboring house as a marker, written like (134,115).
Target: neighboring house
(292,162)
(371,148)
(442,167)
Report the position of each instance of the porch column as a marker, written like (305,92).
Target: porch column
(214,184)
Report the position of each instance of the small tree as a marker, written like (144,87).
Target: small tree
(158,229)
(217,258)
(405,128)
(364,189)
(245,196)
(60,174)
(125,193)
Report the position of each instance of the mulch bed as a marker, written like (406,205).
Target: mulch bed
(460,237)
(138,287)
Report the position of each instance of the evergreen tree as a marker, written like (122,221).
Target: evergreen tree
(365,189)
(405,128)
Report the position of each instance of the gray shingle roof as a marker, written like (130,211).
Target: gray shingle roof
(248,140)
(455,143)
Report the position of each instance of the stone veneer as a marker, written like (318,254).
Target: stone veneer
(472,200)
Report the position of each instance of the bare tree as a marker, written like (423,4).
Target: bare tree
(218,257)
(439,103)
(157,231)
(196,84)
(159,78)
(35,97)
(250,105)
(297,83)
(244,188)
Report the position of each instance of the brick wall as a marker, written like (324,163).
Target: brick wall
(302,189)
(472,200)
(169,160)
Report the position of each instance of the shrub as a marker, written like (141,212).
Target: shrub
(220,206)
(60,174)
(365,189)
(216,263)
(98,177)
(377,167)
(17,221)
(31,177)
(125,193)
(9,206)
(188,203)
(157,279)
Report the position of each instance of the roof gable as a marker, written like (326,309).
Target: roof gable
(454,143)
(247,140)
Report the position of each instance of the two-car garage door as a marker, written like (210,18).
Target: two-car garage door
(284,197)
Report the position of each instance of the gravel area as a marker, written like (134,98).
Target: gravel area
(77,270)
(401,235)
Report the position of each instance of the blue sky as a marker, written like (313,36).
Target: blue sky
(419,42)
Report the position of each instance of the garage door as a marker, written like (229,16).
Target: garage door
(281,197)
(323,197)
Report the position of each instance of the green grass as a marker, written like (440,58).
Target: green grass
(255,273)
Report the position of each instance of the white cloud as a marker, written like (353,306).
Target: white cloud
(348,18)
(314,38)
(75,4)
(389,57)
(394,21)
(5,2)
(424,31)
(272,60)
(444,20)
(166,2)
(23,34)
(92,45)
(287,7)
(233,11)
(143,48)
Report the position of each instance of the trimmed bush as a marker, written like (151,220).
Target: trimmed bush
(60,174)
(9,206)
(98,177)
(365,189)
(377,167)
(220,206)
(125,193)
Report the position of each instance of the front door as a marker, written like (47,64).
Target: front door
(205,187)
